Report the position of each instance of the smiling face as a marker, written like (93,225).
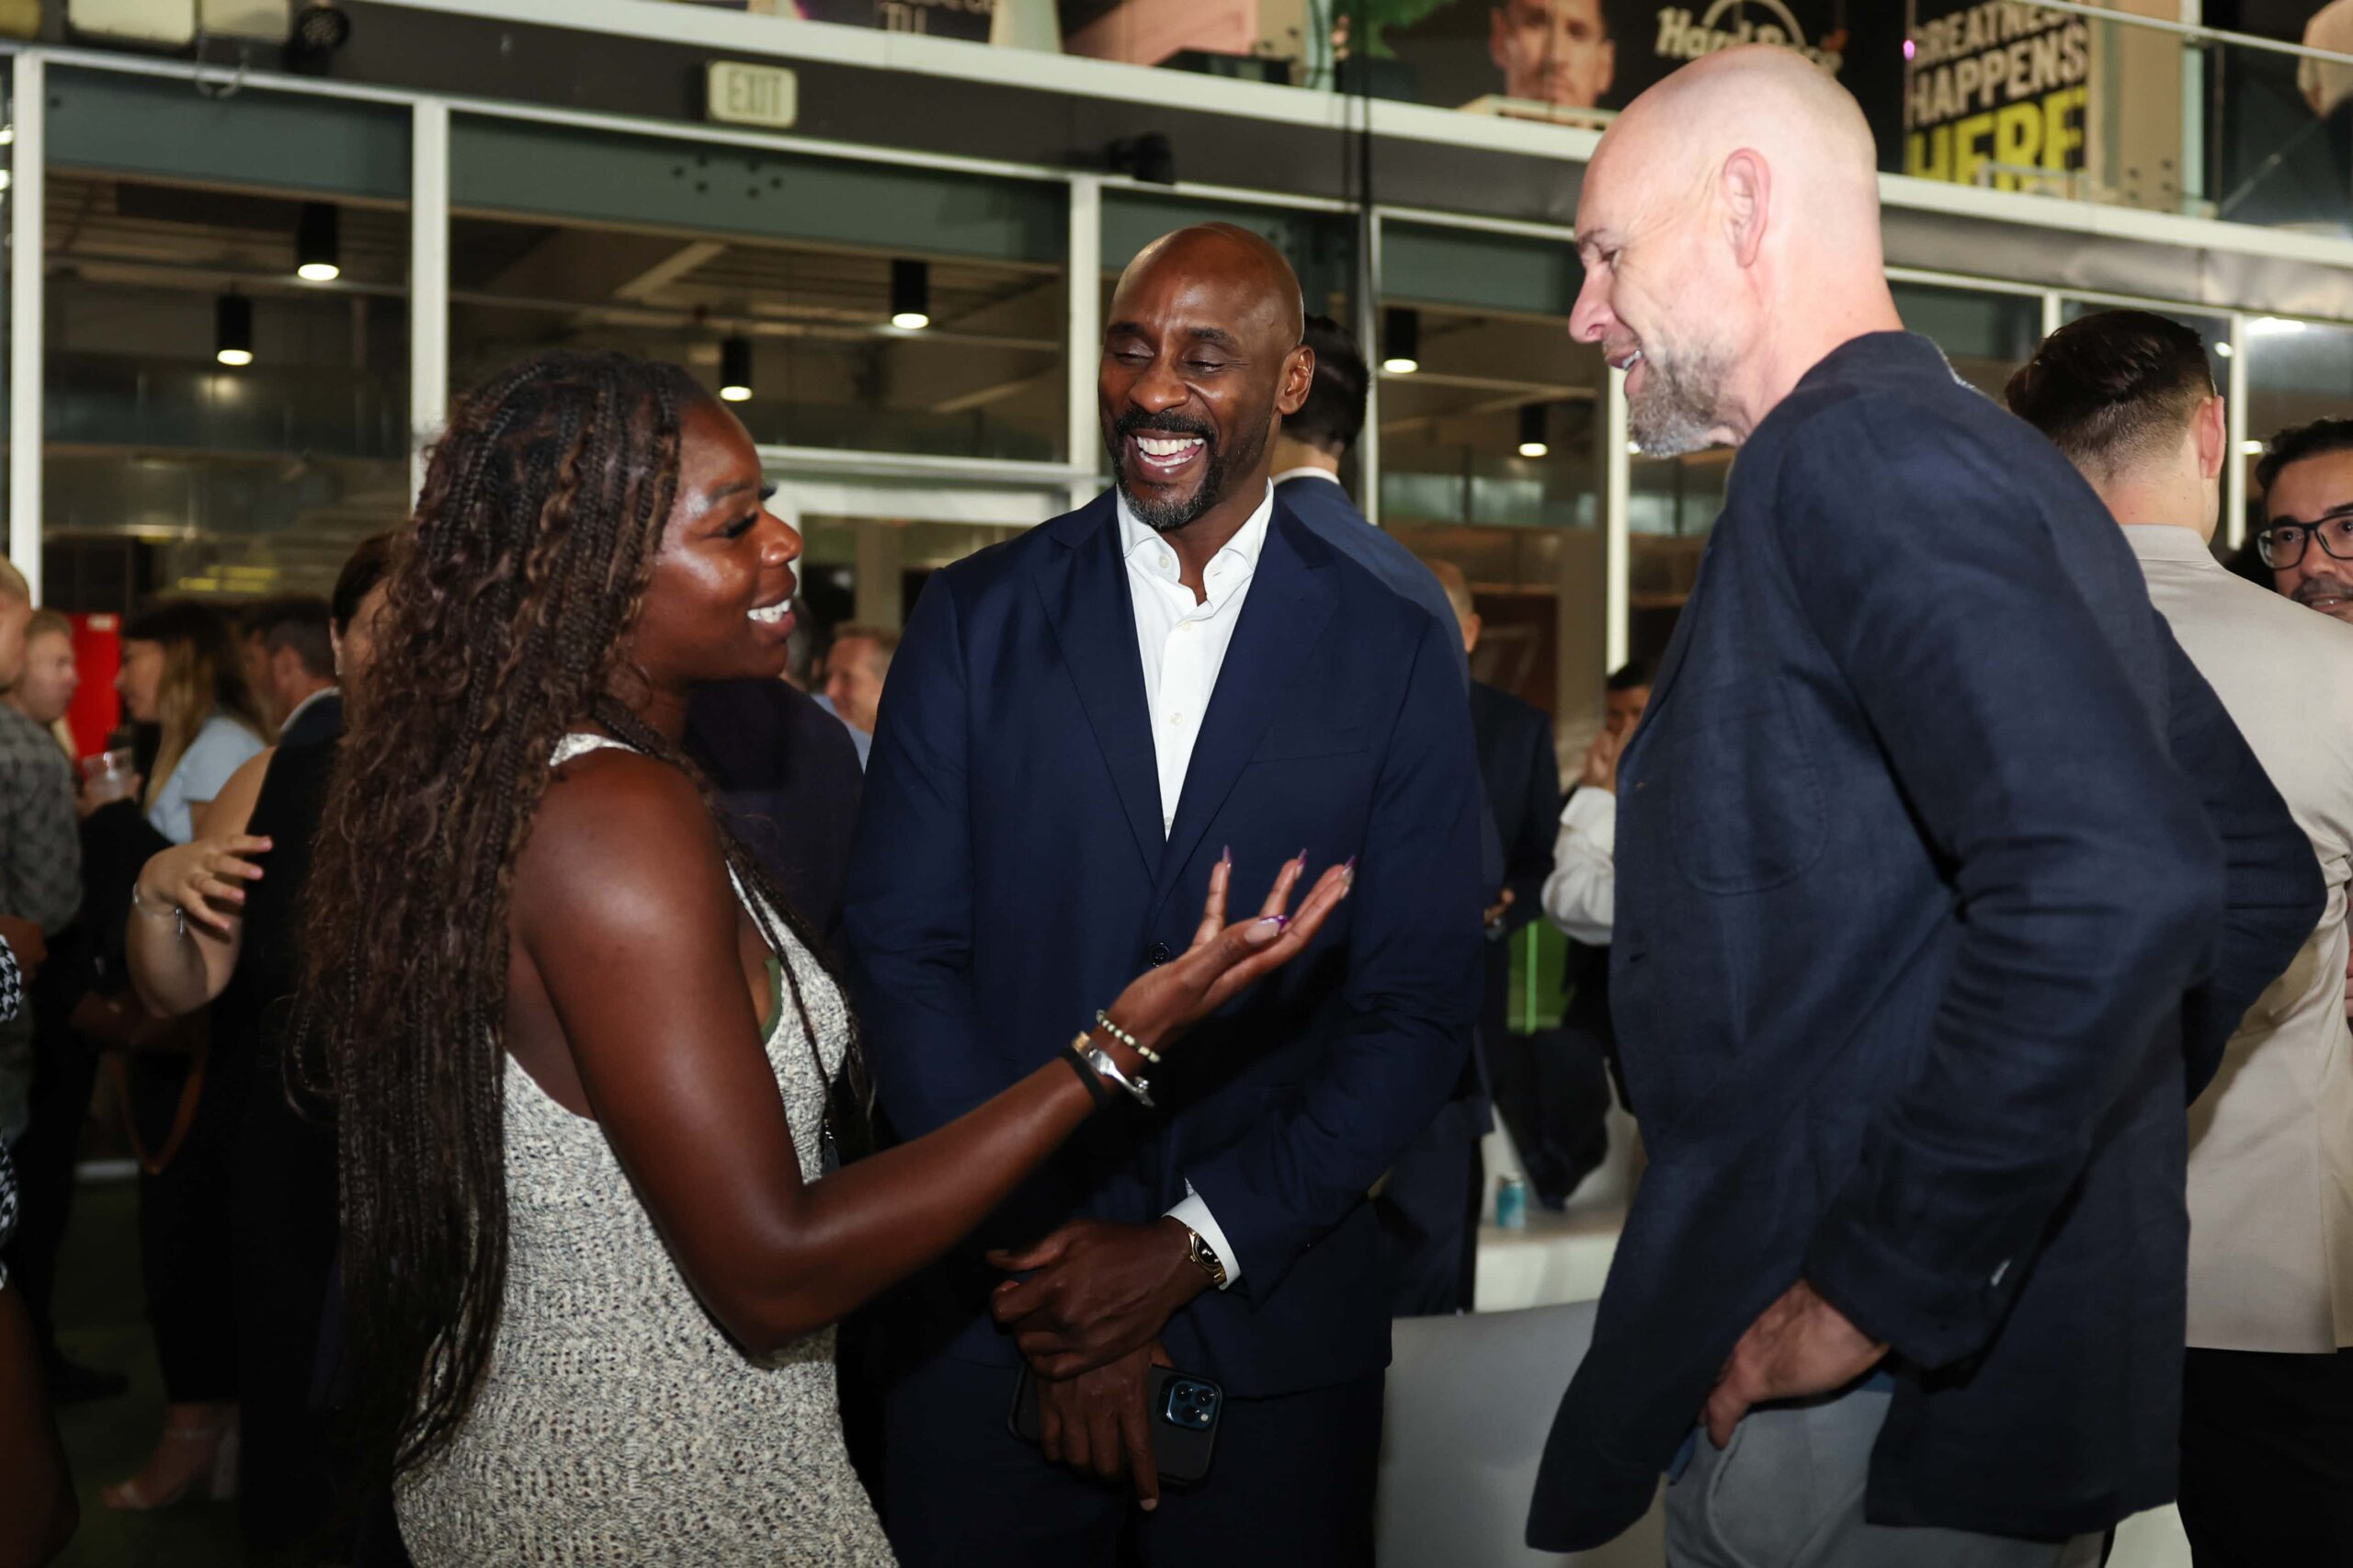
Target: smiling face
(2310,491)
(719,595)
(1658,299)
(1553,52)
(1201,362)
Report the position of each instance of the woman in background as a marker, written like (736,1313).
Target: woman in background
(181,672)
(240,888)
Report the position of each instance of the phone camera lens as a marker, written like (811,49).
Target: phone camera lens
(1192,1404)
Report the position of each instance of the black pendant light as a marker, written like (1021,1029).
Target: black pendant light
(1531,431)
(318,243)
(233,331)
(735,369)
(1401,340)
(911,295)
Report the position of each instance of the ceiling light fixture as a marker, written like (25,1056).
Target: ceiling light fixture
(233,331)
(735,369)
(911,295)
(1401,340)
(318,243)
(1531,431)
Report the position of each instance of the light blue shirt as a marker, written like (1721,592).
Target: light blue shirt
(221,747)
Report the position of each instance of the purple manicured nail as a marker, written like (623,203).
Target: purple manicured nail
(1226,858)
(1302,857)
(1351,864)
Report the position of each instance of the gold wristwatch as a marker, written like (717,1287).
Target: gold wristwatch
(1204,1257)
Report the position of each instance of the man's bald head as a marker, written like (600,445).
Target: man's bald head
(1728,224)
(1227,251)
(1202,359)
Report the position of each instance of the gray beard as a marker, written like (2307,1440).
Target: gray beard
(1676,407)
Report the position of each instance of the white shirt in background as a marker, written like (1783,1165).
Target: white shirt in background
(1581,895)
(1182,643)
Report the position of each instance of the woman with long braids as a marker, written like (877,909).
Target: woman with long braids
(584,1061)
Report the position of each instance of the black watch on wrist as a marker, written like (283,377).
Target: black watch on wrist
(1204,1257)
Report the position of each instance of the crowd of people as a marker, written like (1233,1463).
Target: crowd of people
(538,1025)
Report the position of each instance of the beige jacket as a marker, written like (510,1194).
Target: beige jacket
(2271,1139)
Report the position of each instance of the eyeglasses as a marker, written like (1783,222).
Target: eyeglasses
(2282,546)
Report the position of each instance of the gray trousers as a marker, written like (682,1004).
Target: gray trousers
(1787,1492)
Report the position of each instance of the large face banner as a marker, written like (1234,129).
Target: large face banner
(1572,54)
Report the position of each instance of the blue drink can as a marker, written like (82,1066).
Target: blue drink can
(1511,1204)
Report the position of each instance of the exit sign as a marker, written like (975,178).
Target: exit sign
(741,93)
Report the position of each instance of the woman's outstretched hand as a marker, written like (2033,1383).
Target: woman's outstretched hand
(205,878)
(1162,1002)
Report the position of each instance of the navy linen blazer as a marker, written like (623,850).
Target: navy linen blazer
(1011,876)
(1942,877)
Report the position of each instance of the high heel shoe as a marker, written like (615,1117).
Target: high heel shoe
(211,1478)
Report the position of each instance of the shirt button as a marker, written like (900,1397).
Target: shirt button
(1159,954)
(1185,626)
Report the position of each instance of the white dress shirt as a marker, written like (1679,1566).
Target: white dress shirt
(2271,1139)
(1182,642)
(1581,895)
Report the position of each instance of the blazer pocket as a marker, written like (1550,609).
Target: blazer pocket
(1279,745)
(1746,798)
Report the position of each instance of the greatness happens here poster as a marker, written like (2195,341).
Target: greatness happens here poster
(1999,85)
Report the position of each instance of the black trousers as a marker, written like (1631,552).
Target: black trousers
(283,1236)
(2267,1458)
(1291,1485)
(185,1247)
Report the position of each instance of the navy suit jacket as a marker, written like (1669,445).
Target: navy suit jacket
(1011,876)
(1928,840)
(1324,506)
(322,721)
(786,773)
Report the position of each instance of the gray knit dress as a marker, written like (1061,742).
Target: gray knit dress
(618,1424)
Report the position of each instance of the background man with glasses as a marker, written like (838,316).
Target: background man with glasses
(2306,477)
(2266,1443)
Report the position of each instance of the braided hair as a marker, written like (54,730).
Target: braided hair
(505,612)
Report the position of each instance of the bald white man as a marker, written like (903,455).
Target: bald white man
(2267,1461)
(1912,892)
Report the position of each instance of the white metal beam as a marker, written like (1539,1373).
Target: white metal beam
(2234,475)
(27,193)
(1083,347)
(1617,496)
(428,281)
